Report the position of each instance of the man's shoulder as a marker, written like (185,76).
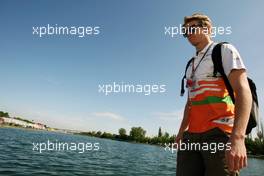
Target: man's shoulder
(228,47)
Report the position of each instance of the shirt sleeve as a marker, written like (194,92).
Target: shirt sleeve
(231,59)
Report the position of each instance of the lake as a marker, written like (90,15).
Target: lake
(29,152)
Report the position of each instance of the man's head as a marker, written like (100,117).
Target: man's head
(197,28)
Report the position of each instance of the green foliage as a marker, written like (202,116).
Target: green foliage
(160,132)
(137,134)
(256,146)
(4,114)
(122,132)
(99,133)
(107,135)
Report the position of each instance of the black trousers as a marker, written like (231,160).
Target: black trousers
(203,154)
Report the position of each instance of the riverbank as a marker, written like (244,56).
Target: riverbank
(250,153)
(19,127)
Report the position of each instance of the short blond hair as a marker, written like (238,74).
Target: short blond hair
(203,19)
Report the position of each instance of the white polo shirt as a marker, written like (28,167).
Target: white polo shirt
(230,57)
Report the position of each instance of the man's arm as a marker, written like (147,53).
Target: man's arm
(237,156)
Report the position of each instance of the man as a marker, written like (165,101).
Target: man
(209,116)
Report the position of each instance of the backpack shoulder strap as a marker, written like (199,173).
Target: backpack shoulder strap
(253,89)
(218,67)
(182,82)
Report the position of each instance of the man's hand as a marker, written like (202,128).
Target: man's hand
(236,157)
(178,138)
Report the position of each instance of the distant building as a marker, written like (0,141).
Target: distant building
(22,123)
(39,126)
(1,121)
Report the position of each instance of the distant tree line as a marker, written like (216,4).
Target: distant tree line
(255,146)
(136,134)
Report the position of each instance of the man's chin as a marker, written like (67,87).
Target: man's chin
(194,43)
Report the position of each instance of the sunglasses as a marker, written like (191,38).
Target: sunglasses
(186,31)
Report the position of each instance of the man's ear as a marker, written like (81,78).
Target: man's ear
(209,29)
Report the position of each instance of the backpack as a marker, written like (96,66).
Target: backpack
(218,67)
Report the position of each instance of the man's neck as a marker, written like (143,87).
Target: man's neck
(202,44)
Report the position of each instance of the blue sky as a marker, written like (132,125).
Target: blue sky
(54,79)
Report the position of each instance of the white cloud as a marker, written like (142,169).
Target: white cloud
(174,115)
(168,121)
(109,115)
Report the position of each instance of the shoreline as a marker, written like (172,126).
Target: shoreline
(120,140)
